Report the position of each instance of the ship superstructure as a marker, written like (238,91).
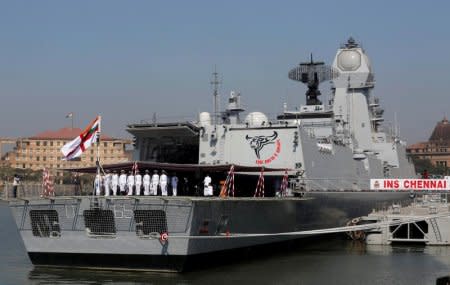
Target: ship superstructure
(336,145)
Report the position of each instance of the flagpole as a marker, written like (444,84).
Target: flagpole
(97,188)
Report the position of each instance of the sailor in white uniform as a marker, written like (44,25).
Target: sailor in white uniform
(207,188)
(122,182)
(114,182)
(146,182)
(98,184)
(138,182)
(163,183)
(107,182)
(130,183)
(155,182)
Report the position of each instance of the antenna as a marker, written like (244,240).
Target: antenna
(312,73)
(215,83)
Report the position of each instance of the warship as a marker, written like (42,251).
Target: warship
(329,152)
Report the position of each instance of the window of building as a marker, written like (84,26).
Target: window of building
(44,143)
(38,158)
(38,143)
(44,158)
(23,165)
(105,144)
(51,143)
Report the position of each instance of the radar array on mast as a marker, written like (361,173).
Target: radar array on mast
(312,73)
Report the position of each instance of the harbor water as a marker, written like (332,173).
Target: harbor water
(322,262)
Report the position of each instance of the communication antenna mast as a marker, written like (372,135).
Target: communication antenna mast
(215,82)
(312,73)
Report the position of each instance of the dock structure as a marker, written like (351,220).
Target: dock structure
(433,229)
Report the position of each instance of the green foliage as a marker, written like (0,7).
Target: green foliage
(7,174)
(425,164)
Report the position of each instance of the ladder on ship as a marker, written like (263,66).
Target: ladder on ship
(437,232)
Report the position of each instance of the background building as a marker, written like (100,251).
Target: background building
(43,150)
(437,148)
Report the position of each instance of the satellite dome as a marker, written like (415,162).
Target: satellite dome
(349,60)
(205,119)
(256,119)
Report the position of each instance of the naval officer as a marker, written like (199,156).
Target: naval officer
(163,183)
(107,182)
(146,182)
(114,182)
(130,183)
(155,182)
(122,182)
(207,187)
(138,182)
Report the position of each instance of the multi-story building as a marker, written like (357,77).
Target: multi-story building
(44,150)
(437,148)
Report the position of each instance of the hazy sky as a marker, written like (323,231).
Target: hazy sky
(129,59)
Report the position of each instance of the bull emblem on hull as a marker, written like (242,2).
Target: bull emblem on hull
(258,142)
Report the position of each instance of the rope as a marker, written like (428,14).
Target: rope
(316,232)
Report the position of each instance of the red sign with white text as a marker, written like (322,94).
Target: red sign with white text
(409,184)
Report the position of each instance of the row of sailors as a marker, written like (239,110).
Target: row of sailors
(132,184)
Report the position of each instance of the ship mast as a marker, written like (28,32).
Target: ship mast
(215,83)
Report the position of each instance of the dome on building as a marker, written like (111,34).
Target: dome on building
(442,131)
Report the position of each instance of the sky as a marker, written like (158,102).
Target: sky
(132,60)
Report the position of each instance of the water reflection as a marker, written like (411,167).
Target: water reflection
(43,275)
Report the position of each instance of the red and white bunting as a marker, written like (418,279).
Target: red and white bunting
(259,191)
(284,184)
(47,184)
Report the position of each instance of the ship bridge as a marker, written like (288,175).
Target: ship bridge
(165,142)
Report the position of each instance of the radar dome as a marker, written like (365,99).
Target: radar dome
(349,60)
(256,119)
(204,118)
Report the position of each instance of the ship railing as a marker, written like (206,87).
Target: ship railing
(330,184)
(103,217)
(165,119)
(32,190)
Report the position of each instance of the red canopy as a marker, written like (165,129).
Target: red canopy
(173,167)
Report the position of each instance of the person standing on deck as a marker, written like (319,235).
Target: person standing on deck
(122,182)
(107,183)
(174,182)
(16,182)
(130,183)
(138,182)
(114,182)
(185,187)
(98,184)
(146,182)
(163,183)
(155,182)
(207,187)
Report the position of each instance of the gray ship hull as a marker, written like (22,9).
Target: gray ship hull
(125,232)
